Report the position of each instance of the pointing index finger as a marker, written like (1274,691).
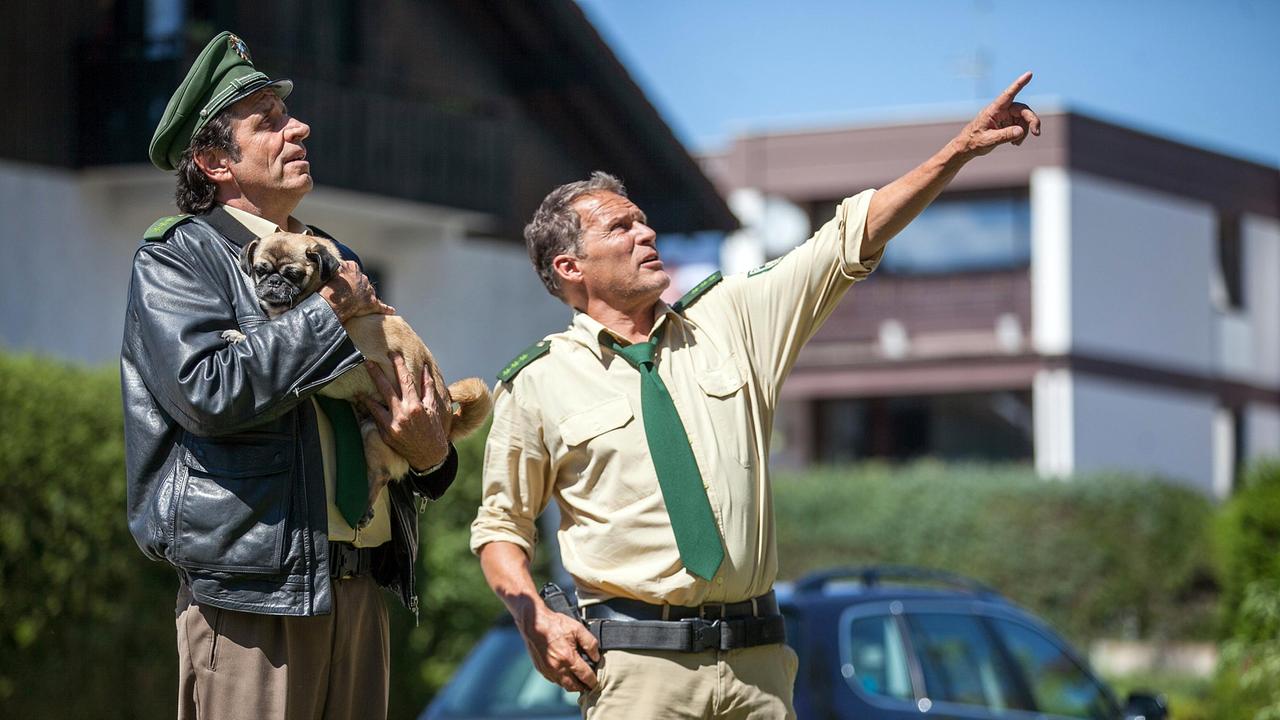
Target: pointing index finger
(1012,91)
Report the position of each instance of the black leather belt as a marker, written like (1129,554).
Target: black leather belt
(624,609)
(632,625)
(348,561)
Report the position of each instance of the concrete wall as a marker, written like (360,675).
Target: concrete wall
(1137,428)
(1141,268)
(71,236)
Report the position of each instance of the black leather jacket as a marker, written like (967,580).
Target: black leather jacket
(222,454)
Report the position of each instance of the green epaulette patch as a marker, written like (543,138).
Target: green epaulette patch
(764,268)
(698,291)
(162,226)
(531,353)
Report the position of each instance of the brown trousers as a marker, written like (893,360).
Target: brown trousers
(234,665)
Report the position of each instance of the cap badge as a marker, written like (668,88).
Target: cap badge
(239,48)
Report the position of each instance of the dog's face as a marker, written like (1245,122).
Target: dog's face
(286,268)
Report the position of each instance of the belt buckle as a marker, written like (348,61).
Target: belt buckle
(703,634)
(345,561)
(702,610)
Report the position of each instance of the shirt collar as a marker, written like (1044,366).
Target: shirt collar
(593,334)
(262,227)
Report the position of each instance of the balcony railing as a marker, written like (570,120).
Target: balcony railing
(379,142)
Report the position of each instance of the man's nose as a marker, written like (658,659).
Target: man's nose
(296,130)
(648,236)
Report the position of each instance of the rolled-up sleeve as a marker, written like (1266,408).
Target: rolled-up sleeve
(783,303)
(517,477)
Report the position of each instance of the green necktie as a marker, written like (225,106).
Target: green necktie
(694,524)
(352,486)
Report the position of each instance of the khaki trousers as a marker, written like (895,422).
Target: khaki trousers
(235,665)
(752,683)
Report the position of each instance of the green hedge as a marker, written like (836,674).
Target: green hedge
(1098,556)
(1248,544)
(86,624)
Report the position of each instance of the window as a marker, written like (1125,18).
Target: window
(961,427)
(874,659)
(961,663)
(964,234)
(1059,685)
(1229,283)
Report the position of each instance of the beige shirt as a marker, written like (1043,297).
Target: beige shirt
(378,531)
(568,427)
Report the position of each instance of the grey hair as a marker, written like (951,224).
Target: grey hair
(555,228)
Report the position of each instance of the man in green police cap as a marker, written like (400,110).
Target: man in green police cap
(236,476)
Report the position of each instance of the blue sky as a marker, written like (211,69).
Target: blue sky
(1207,73)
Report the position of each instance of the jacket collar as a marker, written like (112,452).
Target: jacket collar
(229,227)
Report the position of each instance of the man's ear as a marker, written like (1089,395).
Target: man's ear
(246,257)
(328,265)
(214,164)
(567,269)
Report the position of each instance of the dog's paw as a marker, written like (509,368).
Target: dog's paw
(368,518)
(233,336)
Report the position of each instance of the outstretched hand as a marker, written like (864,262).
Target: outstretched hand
(1003,121)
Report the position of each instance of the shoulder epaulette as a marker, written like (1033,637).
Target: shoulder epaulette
(531,353)
(163,225)
(698,291)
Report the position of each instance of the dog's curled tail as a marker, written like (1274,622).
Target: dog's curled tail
(474,405)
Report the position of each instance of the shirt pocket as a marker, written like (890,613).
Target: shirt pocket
(583,425)
(234,504)
(604,466)
(726,400)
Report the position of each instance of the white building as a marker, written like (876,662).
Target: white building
(1097,299)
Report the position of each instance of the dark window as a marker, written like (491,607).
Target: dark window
(964,234)
(874,658)
(961,664)
(969,426)
(1059,685)
(1231,260)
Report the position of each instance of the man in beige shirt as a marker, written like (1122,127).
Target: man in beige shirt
(585,417)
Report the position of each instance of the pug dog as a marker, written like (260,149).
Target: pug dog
(288,267)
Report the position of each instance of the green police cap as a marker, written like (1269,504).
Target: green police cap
(221,75)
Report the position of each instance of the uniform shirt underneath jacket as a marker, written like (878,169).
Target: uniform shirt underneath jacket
(569,426)
(378,531)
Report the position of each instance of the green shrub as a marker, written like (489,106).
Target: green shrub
(1248,545)
(1098,556)
(86,624)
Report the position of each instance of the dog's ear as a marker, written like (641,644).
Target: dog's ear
(246,257)
(324,260)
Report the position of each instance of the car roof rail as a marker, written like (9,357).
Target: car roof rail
(872,575)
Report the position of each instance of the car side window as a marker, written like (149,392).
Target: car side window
(874,657)
(1060,686)
(961,664)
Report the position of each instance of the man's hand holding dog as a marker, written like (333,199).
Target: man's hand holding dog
(415,425)
(351,295)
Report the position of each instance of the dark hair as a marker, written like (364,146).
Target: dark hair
(196,192)
(555,228)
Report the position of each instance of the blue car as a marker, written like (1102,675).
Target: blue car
(875,643)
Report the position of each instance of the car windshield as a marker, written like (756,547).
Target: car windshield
(498,681)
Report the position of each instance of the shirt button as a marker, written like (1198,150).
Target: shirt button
(719,581)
